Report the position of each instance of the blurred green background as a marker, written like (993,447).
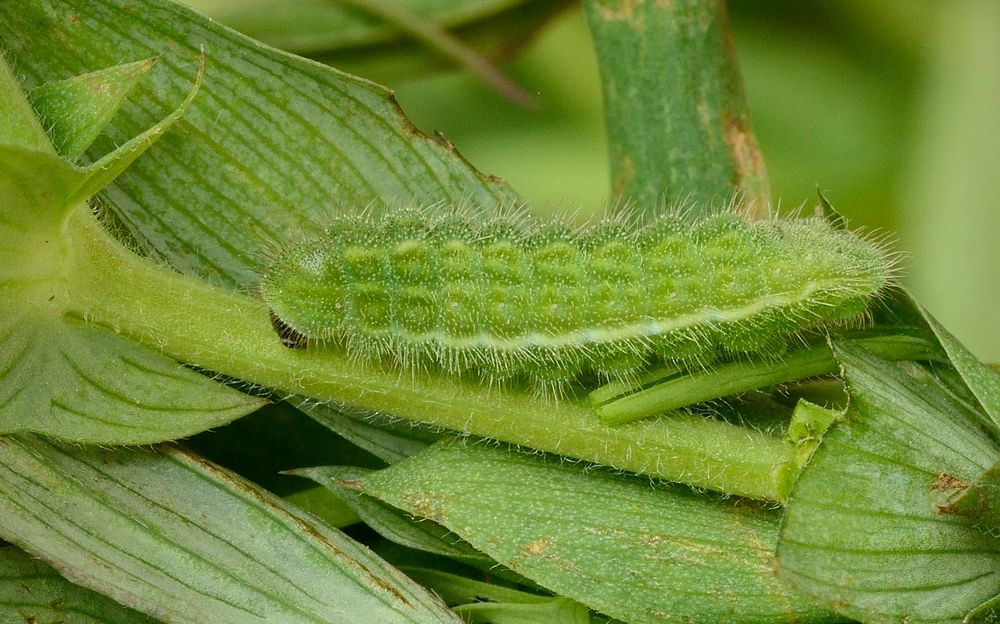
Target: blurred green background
(891,106)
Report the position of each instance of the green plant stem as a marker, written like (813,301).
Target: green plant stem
(676,112)
(674,390)
(229,333)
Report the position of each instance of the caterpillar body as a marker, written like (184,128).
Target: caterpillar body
(507,295)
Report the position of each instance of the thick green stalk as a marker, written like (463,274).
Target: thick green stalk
(677,117)
(229,333)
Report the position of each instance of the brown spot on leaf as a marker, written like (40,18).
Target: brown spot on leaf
(351,484)
(947,483)
(536,548)
(421,505)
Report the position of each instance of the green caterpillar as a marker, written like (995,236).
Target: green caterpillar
(505,295)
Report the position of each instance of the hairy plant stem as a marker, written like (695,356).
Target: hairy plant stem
(229,333)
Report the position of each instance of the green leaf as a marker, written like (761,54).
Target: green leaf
(553,611)
(269,147)
(68,379)
(862,531)
(986,613)
(387,438)
(455,590)
(33,593)
(487,603)
(60,375)
(75,110)
(624,548)
(176,537)
(325,505)
(678,124)
(391,523)
(40,190)
(19,127)
(983,380)
(979,500)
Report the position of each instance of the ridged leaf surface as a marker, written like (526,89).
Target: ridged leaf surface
(862,530)
(178,538)
(34,593)
(636,552)
(271,145)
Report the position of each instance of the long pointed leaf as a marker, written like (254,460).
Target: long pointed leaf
(171,535)
(19,126)
(638,553)
(392,523)
(983,380)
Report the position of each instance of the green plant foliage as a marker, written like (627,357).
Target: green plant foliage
(321,28)
(141,203)
(862,531)
(206,202)
(979,500)
(631,551)
(271,144)
(61,375)
(76,110)
(391,523)
(32,591)
(982,380)
(172,535)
